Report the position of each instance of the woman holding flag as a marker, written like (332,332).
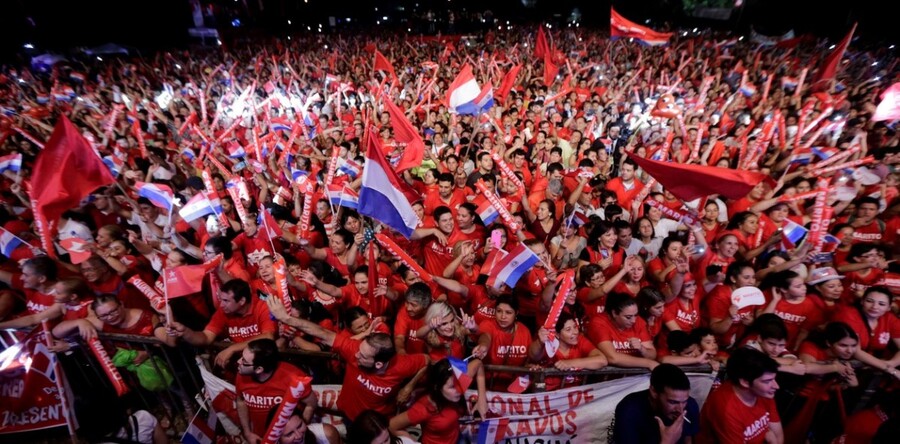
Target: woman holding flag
(574,352)
(440,409)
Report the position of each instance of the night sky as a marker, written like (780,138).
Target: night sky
(160,24)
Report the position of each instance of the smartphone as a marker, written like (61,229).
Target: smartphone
(713,270)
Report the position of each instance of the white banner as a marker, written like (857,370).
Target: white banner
(582,414)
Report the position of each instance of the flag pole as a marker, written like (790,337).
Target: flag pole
(166,297)
(60,386)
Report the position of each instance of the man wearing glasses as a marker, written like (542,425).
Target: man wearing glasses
(261,384)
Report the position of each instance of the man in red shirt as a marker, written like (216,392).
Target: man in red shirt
(866,225)
(626,186)
(239,315)
(743,409)
(261,383)
(37,281)
(375,374)
(254,245)
(445,196)
(411,318)
(439,241)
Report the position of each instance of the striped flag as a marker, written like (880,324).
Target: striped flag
(511,267)
(114,163)
(343,196)
(12,162)
(351,168)
(161,195)
(8,242)
(487,212)
(492,430)
(280,124)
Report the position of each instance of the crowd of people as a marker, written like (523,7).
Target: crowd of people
(272,128)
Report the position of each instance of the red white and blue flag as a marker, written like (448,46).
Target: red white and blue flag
(235,150)
(492,430)
(12,162)
(384,195)
(791,235)
(351,168)
(789,82)
(114,163)
(8,242)
(343,196)
(161,195)
(77,76)
(748,90)
(280,124)
(487,212)
(511,267)
(199,206)
(460,373)
(464,95)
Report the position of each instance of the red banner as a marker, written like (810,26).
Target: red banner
(398,252)
(29,398)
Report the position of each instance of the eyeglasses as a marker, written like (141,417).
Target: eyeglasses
(109,314)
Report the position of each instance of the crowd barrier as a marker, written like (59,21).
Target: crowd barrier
(177,404)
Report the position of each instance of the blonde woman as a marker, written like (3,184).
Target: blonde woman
(444,333)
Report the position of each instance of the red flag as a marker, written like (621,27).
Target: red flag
(55,188)
(829,68)
(508,81)
(79,249)
(688,182)
(273,230)
(404,132)
(188,279)
(382,64)
(889,108)
(541,48)
(620,27)
(550,70)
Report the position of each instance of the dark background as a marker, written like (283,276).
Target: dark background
(162,24)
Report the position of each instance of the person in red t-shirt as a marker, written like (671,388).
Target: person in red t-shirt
(240,316)
(410,318)
(36,280)
(877,327)
(261,384)
(445,195)
(439,410)
(73,299)
(443,333)
(626,186)
(503,341)
(375,374)
(742,410)
(726,319)
(574,352)
(622,335)
(800,313)
(254,244)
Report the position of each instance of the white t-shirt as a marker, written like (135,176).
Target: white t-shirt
(146,424)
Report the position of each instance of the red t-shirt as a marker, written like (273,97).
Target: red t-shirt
(856,283)
(254,249)
(434,200)
(35,301)
(602,329)
(581,350)
(439,426)
(805,315)
(481,304)
(592,309)
(877,340)
(256,322)
(687,319)
(741,424)
(624,196)
(407,326)
(718,302)
(362,389)
(260,397)
(505,349)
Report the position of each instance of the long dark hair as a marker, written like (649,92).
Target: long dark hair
(438,375)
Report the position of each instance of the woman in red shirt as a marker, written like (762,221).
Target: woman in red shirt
(622,335)
(876,327)
(710,221)
(503,341)
(574,352)
(651,305)
(634,280)
(684,312)
(438,412)
(593,288)
(865,267)
(662,268)
(789,302)
(444,333)
(603,249)
(746,226)
(726,247)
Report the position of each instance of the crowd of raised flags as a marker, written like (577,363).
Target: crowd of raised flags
(291,137)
